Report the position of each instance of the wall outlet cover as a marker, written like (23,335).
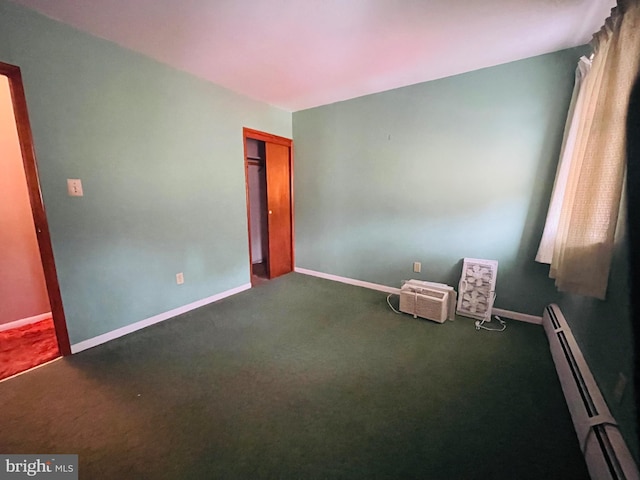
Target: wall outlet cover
(180,278)
(619,389)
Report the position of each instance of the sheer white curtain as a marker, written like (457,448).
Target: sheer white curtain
(545,251)
(579,233)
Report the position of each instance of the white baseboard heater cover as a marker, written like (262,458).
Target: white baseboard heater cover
(606,453)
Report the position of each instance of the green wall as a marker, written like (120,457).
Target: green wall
(604,333)
(453,168)
(435,172)
(458,167)
(160,156)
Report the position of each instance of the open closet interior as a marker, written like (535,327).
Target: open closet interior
(258,213)
(268,167)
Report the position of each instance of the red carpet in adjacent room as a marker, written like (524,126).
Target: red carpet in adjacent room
(25,347)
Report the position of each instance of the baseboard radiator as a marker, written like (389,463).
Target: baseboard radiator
(605,451)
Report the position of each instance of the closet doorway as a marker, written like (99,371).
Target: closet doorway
(269,181)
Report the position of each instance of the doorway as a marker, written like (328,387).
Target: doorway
(269,183)
(32,323)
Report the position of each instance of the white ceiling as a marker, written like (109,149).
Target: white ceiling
(297,54)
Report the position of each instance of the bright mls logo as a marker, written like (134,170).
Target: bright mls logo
(51,467)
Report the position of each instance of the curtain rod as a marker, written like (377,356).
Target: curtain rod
(609,26)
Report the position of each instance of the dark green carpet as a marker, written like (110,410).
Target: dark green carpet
(301,378)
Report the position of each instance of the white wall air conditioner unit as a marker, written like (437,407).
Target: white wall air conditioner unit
(430,302)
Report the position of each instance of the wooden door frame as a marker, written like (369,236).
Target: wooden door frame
(41,225)
(287,142)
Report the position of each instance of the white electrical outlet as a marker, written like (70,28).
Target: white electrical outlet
(621,384)
(417,266)
(180,278)
(74,187)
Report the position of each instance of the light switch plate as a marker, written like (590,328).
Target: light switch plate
(74,187)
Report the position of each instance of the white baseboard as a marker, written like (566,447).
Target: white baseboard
(24,321)
(522,317)
(350,281)
(30,369)
(105,337)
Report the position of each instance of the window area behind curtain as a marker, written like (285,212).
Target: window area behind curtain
(579,232)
